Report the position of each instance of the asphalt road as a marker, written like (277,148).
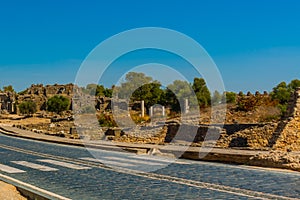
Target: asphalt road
(80,173)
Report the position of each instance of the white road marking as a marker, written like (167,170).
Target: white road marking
(129,160)
(64,164)
(9,169)
(108,162)
(35,166)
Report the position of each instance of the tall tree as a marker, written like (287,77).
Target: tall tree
(151,93)
(133,81)
(177,92)
(138,86)
(294,84)
(202,92)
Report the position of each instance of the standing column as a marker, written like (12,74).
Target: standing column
(143,108)
(163,111)
(186,106)
(13,107)
(151,112)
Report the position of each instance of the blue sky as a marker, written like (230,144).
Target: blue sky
(255,43)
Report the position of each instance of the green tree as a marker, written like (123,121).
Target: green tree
(177,92)
(230,97)
(100,90)
(202,92)
(281,93)
(27,107)
(137,87)
(8,88)
(108,92)
(294,84)
(91,89)
(58,104)
(97,90)
(133,81)
(151,94)
(216,98)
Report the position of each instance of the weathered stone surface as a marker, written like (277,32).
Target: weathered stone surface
(277,159)
(40,93)
(289,139)
(7,102)
(255,137)
(144,135)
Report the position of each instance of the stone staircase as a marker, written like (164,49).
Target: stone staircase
(289,139)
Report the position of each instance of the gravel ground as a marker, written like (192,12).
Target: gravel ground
(9,192)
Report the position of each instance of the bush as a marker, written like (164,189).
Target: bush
(138,119)
(282,93)
(246,103)
(106,120)
(58,104)
(230,97)
(27,107)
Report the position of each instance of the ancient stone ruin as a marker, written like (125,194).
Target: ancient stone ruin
(289,139)
(7,102)
(39,94)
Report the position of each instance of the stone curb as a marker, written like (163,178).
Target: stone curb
(116,147)
(30,191)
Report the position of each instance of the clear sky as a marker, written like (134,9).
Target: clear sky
(255,43)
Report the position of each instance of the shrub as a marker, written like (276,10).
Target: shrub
(230,97)
(106,120)
(58,104)
(27,107)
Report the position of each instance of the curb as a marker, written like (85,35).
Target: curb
(116,147)
(30,191)
(187,154)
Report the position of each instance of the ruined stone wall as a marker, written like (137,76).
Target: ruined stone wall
(289,139)
(82,102)
(190,133)
(50,90)
(40,94)
(141,135)
(254,136)
(7,102)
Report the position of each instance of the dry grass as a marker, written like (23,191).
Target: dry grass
(31,120)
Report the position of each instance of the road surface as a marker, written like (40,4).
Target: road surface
(80,173)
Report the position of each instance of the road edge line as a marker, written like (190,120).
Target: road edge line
(31,189)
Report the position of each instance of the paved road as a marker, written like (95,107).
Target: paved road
(78,173)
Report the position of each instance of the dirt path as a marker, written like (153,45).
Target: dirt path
(9,192)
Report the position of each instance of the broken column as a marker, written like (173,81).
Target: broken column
(143,108)
(186,106)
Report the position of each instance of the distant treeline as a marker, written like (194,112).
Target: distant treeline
(138,86)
